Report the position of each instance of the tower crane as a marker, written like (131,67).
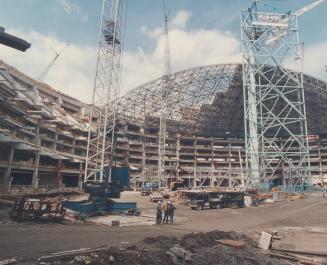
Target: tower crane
(273,40)
(165,105)
(47,69)
(102,118)
(274,136)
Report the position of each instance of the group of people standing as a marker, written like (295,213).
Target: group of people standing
(168,210)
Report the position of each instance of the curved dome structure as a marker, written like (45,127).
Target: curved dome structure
(208,101)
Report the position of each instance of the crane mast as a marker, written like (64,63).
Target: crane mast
(102,118)
(276,136)
(165,106)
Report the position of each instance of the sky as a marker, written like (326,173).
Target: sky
(201,32)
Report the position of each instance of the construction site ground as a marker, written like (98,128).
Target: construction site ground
(301,223)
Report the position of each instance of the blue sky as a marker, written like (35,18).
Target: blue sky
(77,22)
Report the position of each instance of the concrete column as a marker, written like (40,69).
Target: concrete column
(80,176)
(212,180)
(59,173)
(143,152)
(55,142)
(37,137)
(320,164)
(35,179)
(195,162)
(7,174)
(178,149)
(230,183)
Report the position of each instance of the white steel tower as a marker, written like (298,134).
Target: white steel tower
(165,104)
(274,106)
(101,137)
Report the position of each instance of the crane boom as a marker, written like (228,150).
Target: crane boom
(307,8)
(47,69)
(165,95)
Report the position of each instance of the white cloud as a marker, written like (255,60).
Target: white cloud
(68,6)
(181,19)
(72,73)
(191,48)
(315,60)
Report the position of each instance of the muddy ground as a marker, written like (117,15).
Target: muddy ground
(197,249)
(33,240)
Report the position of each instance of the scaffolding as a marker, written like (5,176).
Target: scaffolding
(274,105)
(101,137)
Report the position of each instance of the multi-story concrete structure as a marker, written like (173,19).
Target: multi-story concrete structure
(43,132)
(43,135)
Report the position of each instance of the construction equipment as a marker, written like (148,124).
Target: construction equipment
(275,120)
(13,41)
(49,66)
(165,103)
(101,136)
(35,208)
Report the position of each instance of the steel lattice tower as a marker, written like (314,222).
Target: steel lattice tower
(274,106)
(165,104)
(101,137)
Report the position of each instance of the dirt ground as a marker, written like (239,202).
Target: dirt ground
(33,240)
(191,249)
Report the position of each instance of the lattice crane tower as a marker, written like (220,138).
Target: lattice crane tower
(274,105)
(101,137)
(165,103)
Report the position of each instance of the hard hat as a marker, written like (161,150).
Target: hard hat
(159,202)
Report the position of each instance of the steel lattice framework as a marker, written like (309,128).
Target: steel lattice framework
(199,99)
(208,101)
(165,102)
(106,90)
(274,105)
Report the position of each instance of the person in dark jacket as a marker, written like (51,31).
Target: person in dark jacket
(159,213)
(171,211)
(165,208)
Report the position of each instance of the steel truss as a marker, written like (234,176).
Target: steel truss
(203,100)
(106,90)
(274,105)
(208,101)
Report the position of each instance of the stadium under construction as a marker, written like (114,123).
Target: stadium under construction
(43,132)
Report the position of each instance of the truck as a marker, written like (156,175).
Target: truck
(204,200)
(217,200)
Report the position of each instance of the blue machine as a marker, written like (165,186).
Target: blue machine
(101,194)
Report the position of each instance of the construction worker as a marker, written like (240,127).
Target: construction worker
(159,213)
(171,211)
(165,208)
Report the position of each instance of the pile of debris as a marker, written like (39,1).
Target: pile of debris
(215,247)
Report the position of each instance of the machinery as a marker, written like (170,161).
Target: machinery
(101,136)
(13,41)
(104,181)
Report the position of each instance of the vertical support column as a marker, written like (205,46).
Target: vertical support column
(37,137)
(230,182)
(7,174)
(178,149)
(195,162)
(56,140)
(212,177)
(59,173)
(80,176)
(35,179)
(143,152)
